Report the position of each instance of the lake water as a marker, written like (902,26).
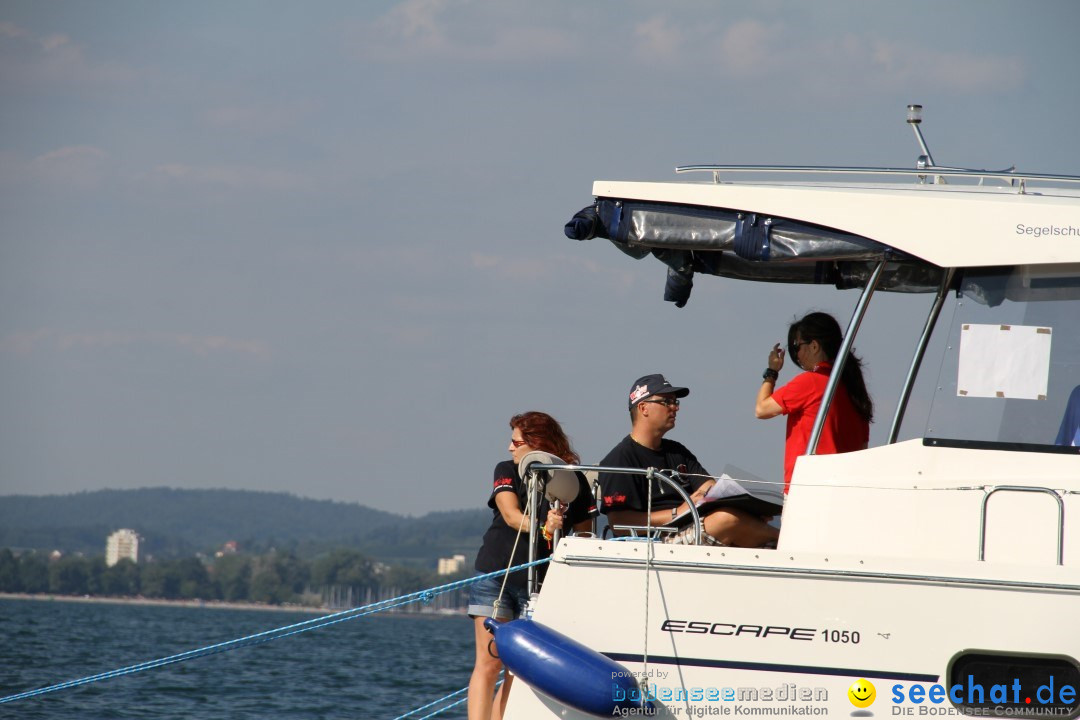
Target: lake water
(380,666)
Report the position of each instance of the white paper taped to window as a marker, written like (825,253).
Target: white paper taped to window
(1004,361)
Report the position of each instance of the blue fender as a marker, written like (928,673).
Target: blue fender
(564,669)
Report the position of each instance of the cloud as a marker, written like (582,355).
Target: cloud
(233,177)
(657,38)
(210,344)
(957,71)
(422,260)
(11,30)
(96,341)
(465,30)
(759,51)
(411,336)
(46,339)
(76,165)
(485,262)
(53,42)
(86,166)
(748,48)
(556,268)
(73,166)
(851,62)
(252,119)
(767,49)
(36,63)
(24,343)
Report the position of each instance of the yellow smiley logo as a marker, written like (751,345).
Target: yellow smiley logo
(862,693)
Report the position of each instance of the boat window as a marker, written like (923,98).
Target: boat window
(1007,363)
(997,682)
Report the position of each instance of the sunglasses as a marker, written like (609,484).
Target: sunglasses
(670,402)
(793,347)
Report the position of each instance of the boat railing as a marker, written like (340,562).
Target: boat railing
(1008,176)
(664,476)
(645,532)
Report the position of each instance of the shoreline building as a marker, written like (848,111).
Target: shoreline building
(122,545)
(451,565)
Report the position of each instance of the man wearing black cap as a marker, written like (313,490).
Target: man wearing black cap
(654,405)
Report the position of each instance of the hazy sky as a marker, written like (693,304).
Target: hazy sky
(317,247)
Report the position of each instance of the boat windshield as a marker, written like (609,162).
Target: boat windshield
(1004,366)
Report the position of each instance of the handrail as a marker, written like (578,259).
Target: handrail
(1023,488)
(1008,175)
(637,471)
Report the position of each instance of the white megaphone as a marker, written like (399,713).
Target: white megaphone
(561,485)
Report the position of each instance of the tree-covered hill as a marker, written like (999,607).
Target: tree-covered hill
(176,522)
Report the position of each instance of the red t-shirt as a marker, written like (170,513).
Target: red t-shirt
(844,430)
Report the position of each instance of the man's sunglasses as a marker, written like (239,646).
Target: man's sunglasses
(670,402)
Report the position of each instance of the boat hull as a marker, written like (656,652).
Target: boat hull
(735,631)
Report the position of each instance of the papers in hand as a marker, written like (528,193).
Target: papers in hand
(753,496)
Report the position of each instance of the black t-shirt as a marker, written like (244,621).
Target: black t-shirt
(494,553)
(630,492)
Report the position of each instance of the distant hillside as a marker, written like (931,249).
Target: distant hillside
(181,522)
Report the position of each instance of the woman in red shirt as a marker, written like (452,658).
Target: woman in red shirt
(814,342)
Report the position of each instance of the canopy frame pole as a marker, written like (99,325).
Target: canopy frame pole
(532,507)
(920,352)
(841,357)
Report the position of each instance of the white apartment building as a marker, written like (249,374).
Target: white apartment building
(451,565)
(122,545)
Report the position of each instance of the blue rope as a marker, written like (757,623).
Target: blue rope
(444,709)
(434,703)
(440,700)
(268,635)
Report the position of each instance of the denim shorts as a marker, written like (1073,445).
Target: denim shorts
(483,593)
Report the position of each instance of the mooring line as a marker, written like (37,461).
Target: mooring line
(268,635)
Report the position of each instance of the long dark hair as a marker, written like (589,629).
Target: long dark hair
(824,328)
(543,432)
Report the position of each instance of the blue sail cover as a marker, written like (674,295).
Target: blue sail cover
(692,239)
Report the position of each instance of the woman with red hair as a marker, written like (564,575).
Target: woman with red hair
(506,543)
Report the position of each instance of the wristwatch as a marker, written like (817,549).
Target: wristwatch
(674,512)
(770,374)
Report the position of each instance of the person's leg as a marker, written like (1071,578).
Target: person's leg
(499,705)
(484,676)
(515,599)
(739,529)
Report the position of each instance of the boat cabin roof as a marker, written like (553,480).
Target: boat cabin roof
(943,224)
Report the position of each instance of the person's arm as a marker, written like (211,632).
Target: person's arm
(1070,421)
(635,517)
(766,407)
(556,520)
(698,496)
(510,509)
(700,478)
(624,493)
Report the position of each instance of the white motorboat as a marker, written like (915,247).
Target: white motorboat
(943,571)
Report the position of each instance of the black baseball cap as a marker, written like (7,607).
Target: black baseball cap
(649,385)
